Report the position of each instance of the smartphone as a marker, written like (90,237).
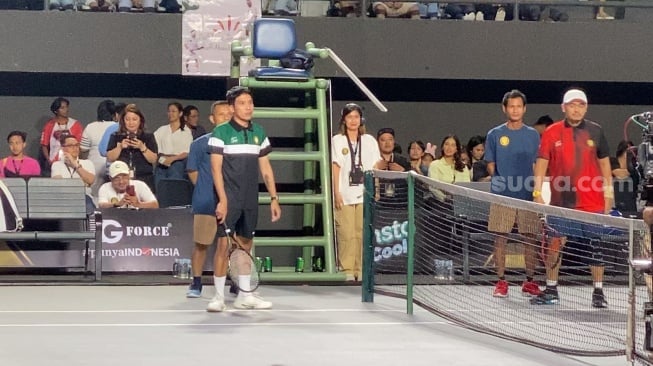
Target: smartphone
(131,190)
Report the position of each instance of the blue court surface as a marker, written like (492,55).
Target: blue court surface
(309,325)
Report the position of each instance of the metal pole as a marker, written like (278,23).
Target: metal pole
(368,239)
(410,268)
(632,298)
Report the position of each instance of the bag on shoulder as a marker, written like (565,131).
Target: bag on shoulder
(297,59)
(10,219)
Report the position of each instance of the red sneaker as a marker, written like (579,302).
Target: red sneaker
(530,288)
(501,289)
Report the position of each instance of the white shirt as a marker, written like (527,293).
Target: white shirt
(60,169)
(143,192)
(173,143)
(341,155)
(90,141)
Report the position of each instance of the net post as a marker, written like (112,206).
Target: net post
(368,239)
(632,297)
(411,244)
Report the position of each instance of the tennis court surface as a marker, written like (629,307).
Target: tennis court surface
(317,325)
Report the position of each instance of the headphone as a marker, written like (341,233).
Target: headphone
(350,107)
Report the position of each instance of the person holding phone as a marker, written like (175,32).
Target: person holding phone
(123,192)
(132,145)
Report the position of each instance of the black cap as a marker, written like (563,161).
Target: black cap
(385,130)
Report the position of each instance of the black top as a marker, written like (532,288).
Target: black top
(134,157)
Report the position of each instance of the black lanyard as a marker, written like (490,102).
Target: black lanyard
(358,150)
(16,168)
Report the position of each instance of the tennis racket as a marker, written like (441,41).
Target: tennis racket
(551,243)
(243,270)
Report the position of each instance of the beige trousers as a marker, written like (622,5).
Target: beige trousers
(349,234)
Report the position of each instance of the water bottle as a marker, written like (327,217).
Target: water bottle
(176,269)
(185,269)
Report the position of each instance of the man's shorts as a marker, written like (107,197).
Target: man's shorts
(204,229)
(241,221)
(561,226)
(502,219)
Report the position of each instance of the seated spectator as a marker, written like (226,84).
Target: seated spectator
(91,138)
(173,141)
(123,192)
(18,164)
(542,123)
(100,5)
(345,9)
(391,190)
(132,145)
(62,4)
(72,167)
(285,7)
(429,10)
(462,11)
(450,168)
(55,128)
(396,9)
(104,142)
(476,150)
(192,117)
(147,6)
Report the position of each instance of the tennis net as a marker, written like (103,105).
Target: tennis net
(429,242)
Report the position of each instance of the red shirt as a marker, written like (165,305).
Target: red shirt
(573,154)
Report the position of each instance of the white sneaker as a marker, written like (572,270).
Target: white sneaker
(216,305)
(479,16)
(252,301)
(470,16)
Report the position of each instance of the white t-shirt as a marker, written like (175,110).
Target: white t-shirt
(143,192)
(60,169)
(341,155)
(173,143)
(90,141)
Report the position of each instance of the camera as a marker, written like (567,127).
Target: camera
(645,157)
(356,176)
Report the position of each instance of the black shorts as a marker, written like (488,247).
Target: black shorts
(241,221)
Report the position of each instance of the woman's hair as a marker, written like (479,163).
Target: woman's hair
(133,109)
(419,143)
(459,165)
(180,108)
(475,140)
(348,108)
(622,147)
(56,104)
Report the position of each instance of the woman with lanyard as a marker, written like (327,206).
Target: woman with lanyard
(353,152)
(132,145)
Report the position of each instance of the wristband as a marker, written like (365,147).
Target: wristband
(537,194)
(274,198)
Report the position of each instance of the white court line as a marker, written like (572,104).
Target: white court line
(199,311)
(113,325)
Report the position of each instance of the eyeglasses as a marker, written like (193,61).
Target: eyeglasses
(72,145)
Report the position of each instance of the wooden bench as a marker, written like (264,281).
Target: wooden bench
(56,199)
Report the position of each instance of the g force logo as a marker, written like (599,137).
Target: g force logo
(113,231)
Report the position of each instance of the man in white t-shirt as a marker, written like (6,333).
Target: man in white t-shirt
(71,166)
(124,192)
(91,137)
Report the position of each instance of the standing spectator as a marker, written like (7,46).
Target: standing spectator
(450,168)
(116,193)
(205,199)
(510,154)
(239,152)
(104,142)
(428,157)
(132,145)
(476,151)
(60,124)
(91,137)
(18,164)
(575,152)
(220,113)
(542,123)
(415,153)
(72,167)
(174,141)
(626,178)
(191,116)
(353,152)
